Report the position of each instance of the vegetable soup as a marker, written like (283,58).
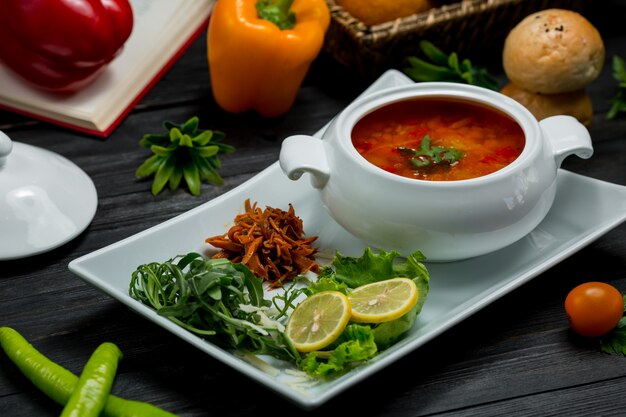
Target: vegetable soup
(438,139)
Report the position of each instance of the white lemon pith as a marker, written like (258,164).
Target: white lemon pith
(383,300)
(318,320)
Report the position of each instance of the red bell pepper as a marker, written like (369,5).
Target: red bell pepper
(62,45)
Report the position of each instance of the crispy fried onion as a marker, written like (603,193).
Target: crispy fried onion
(269,242)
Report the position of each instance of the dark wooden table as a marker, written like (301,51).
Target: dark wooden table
(515,357)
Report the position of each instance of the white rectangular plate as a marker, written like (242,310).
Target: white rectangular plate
(584,210)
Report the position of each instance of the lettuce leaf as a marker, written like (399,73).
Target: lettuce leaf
(368,268)
(355,344)
(389,332)
(360,342)
(325,282)
(373,267)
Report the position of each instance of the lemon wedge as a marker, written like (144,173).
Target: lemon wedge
(383,300)
(318,320)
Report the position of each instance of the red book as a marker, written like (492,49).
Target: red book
(162,31)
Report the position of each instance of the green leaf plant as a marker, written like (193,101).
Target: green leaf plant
(183,152)
(437,66)
(618,103)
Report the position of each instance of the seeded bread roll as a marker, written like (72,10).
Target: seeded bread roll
(553,51)
(575,103)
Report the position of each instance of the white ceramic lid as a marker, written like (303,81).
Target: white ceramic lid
(45,200)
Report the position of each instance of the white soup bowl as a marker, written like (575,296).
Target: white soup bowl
(446,220)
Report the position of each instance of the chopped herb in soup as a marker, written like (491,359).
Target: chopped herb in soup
(438,140)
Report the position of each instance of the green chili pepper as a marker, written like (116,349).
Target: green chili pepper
(58,383)
(94,383)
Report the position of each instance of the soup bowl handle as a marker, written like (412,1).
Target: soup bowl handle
(567,136)
(300,154)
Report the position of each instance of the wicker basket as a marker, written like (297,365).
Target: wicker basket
(475,29)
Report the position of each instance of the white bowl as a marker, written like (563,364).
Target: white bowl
(446,220)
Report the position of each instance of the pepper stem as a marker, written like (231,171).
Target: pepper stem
(277,12)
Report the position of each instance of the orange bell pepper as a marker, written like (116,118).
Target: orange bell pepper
(256,65)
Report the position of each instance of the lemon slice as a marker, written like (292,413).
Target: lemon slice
(383,300)
(318,320)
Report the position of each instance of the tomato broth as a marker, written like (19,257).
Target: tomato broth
(438,139)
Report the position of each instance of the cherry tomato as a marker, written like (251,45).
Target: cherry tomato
(594,308)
